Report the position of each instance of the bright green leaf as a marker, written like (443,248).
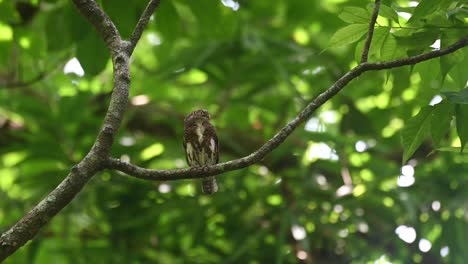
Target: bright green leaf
(388,12)
(348,35)
(152,151)
(355,15)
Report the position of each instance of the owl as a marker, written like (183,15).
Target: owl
(201,145)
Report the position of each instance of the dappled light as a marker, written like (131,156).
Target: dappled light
(342,127)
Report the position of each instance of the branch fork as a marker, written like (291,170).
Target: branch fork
(98,157)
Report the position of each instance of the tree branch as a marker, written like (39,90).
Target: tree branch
(63,194)
(370,33)
(101,21)
(98,157)
(270,145)
(145,17)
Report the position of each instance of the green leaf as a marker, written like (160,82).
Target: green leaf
(348,35)
(123,14)
(388,12)
(58,35)
(457,97)
(461,113)
(450,60)
(389,48)
(440,121)
(415,131)
(458,72)
(92,54)
(380,35)
(424,8)
(355,15)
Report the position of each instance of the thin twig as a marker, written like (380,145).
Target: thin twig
(140,27)
(270,145)
(370,33)
(425,27)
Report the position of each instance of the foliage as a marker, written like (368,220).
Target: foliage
(334,192)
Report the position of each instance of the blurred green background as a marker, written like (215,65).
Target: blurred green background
(335,192)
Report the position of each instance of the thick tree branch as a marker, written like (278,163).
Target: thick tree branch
(145,17)
(370,33)
(270,145)
(101,21)
(97,158)
(34,220)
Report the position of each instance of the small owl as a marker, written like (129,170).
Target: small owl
(201,145)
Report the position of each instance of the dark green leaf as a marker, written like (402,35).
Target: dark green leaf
(92,54)
(415,131)
(424,8)
(461,113)
(440,122)
(457,97)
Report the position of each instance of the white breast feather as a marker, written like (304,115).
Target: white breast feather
(200,130)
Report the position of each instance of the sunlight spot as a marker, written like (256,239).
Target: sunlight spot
(153,39)
(404,15)
(179,163)
(317,70)
(424,245)
(360,146)
(6,32)
(407,170)
(127,141)
(413,3)
(344,190)
(298,232)
(444,251)
(314,125)
(263,171)
(382,260)
(388,202)
(301,254)
(73,66)
(435,100)
(321,180)
(436,44)
(278,181)
(338,208)
(321,151)
(179,70)
(406,233)
(435,206)
(140,100)
(164,188)
(301,36)
(330,117)
(407,178)
(359,190)
(363,227)
(231,4)
(343,233)
(125,158)
(405,181)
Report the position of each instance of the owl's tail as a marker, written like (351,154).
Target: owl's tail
(209,185)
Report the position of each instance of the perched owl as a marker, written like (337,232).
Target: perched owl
(201,145)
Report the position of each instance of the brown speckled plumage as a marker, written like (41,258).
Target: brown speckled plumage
(201,145)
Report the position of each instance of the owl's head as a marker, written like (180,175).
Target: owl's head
(198,114)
